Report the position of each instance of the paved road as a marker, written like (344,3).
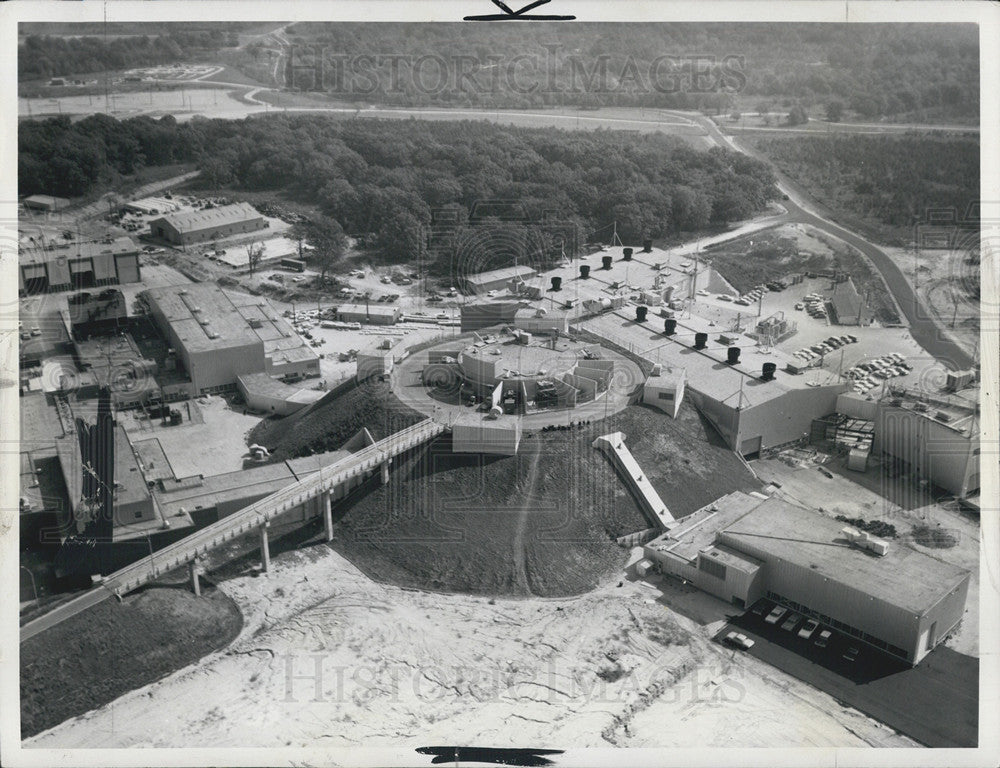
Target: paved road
(936,702)
(926,330)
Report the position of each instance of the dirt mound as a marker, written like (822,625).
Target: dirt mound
(98,655)
(337,417)
(685,459)
(542,522)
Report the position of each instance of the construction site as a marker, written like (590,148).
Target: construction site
(618,434)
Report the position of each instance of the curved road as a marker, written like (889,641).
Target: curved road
(926,330)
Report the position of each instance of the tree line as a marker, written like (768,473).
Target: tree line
(386,180)
(873,69)
(894,180)
(45,56)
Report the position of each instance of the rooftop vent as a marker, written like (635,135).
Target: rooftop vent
(647,245)
(670,326)
(605,262)
(700,340)
(767,372)
(733,355)
(627,254)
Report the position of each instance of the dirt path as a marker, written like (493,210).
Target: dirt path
(520,559)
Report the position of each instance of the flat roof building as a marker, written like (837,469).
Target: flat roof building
(219,336)
(494,280)
(207,225)
(376,314)
(76,265)
(752,398)
(742,548)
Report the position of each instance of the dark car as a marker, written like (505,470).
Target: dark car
(851,654)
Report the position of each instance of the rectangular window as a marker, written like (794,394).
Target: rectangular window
(138,515)
(666,395)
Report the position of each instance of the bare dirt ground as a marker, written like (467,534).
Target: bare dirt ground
(327,657)
(946,281)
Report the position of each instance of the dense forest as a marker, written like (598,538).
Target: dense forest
(892,180)
(387,178)
(49,56)
(872,69)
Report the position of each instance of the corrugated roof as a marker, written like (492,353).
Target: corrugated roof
(193,221)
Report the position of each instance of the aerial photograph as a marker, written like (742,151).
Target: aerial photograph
(498,387)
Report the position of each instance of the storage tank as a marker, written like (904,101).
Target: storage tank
(767,373)
(605,262)
(733,355)
(640,314)
(584,272)
(670,326)
(700,339)
(556,283)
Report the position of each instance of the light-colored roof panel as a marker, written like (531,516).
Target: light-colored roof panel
(192,221)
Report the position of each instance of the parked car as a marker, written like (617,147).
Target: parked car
(775,615)
(739,640)
(759,608)
(789,624)
(824,638)
(807,630)
(851,654)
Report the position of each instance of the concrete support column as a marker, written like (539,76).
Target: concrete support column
(265,550)
(385,471)
(195,571)
(327,515)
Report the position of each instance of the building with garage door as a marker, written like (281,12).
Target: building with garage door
(76,265)
(205,226)
(218,336)
(742,548)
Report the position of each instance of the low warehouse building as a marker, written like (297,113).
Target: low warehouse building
(78,265)
(885,594)
(375,314)
(486,438)
(494,280)
(207,225)
(264,393)
(46,203)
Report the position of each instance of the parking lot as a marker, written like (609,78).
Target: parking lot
(936,702)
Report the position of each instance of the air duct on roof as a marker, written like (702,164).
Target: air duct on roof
(627,254)
(670,326)
(700,340)
(647,245)
(605,262)
(767,373)
(733,355)
(640,314)
(584,272)
(556,283)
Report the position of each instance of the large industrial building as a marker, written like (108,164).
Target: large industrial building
(75,265)
(206,225)
(742,548)
(218,336)
(756,397)
(934,436)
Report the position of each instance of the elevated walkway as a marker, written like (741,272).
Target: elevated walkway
(613,445)
(256,516)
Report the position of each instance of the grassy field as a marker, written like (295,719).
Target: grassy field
(96,656)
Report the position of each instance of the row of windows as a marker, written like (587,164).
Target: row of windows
(847,629)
